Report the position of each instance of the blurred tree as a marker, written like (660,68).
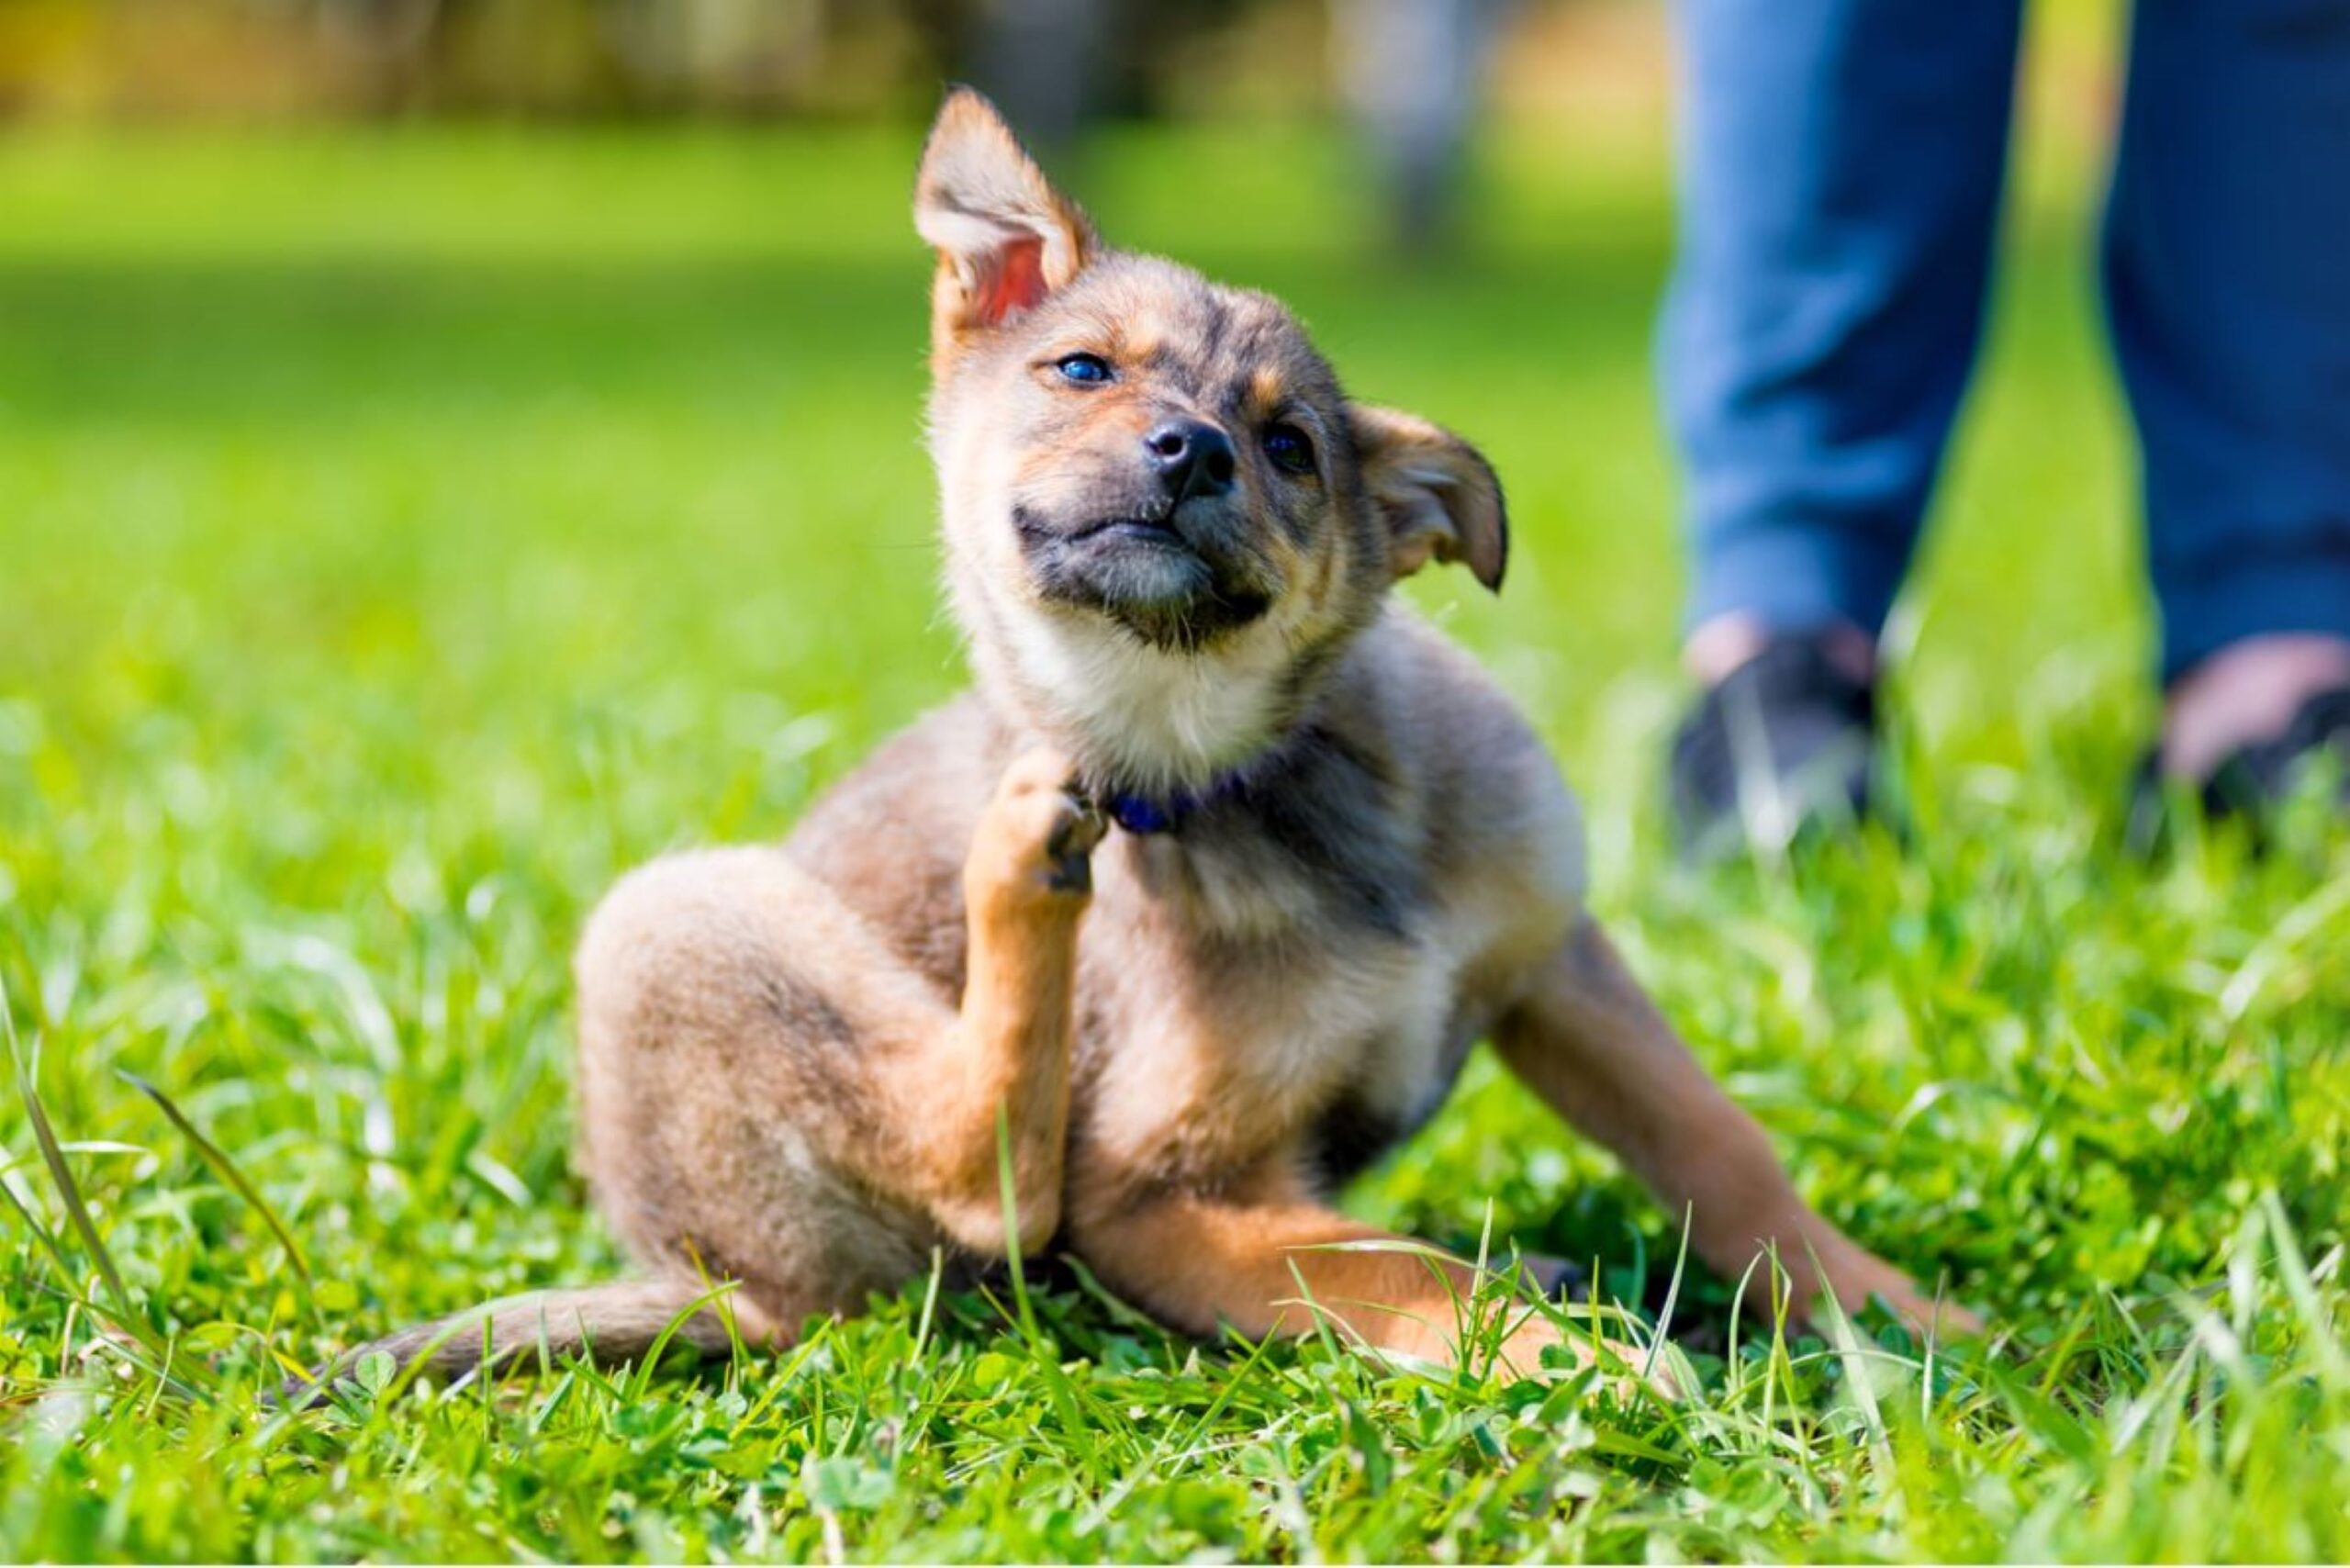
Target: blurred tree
(387,43)
(1414,71)
(1043,61)
(1054,64)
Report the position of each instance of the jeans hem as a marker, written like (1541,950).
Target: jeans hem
(1795,578)
(2251,599)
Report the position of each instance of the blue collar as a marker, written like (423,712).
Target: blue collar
(1140,813)
(1149,813)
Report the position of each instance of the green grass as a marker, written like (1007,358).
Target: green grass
(399,537)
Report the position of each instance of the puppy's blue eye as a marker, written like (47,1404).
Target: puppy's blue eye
(1085,369)
(1290,451)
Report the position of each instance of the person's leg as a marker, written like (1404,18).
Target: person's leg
(1840,173)
(2227,268)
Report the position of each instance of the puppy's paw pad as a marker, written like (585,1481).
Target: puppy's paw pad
(1078,828)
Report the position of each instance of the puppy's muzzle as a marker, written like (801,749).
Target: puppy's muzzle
(1167,552)
(1174,579)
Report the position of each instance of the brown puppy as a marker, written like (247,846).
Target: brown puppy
(1339,858)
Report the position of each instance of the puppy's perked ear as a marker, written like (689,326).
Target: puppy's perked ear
(1005,238)
(1438,495)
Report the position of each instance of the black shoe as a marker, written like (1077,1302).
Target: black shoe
(1787,740)
(2253,782)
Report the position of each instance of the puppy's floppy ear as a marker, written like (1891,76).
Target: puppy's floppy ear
(1005,238)
(1436,493)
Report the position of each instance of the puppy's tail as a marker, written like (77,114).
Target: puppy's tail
(617,1323)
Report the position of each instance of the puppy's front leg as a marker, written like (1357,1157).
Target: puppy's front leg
(1589,1041)
(1255,1253)
(1025,883)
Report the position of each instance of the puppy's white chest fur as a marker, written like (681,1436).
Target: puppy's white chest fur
(1158,717)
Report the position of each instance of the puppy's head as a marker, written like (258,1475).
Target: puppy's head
(1163,518)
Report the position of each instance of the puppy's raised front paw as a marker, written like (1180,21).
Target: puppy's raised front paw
(1038,835)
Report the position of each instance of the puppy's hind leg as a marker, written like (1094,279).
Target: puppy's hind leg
(771,1098)
(1264,1256)
(768,1088)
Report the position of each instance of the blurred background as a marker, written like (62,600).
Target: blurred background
(497,354)
(452,450)
(1414,76)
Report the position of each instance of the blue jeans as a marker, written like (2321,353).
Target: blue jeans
(1840,165)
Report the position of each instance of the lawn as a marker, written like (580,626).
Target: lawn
(402,535)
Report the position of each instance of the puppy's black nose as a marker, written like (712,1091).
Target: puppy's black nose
(1194,458)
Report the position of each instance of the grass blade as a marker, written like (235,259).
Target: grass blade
(1057,1382)
(226,1168)
(69,1191)
(41,1233)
